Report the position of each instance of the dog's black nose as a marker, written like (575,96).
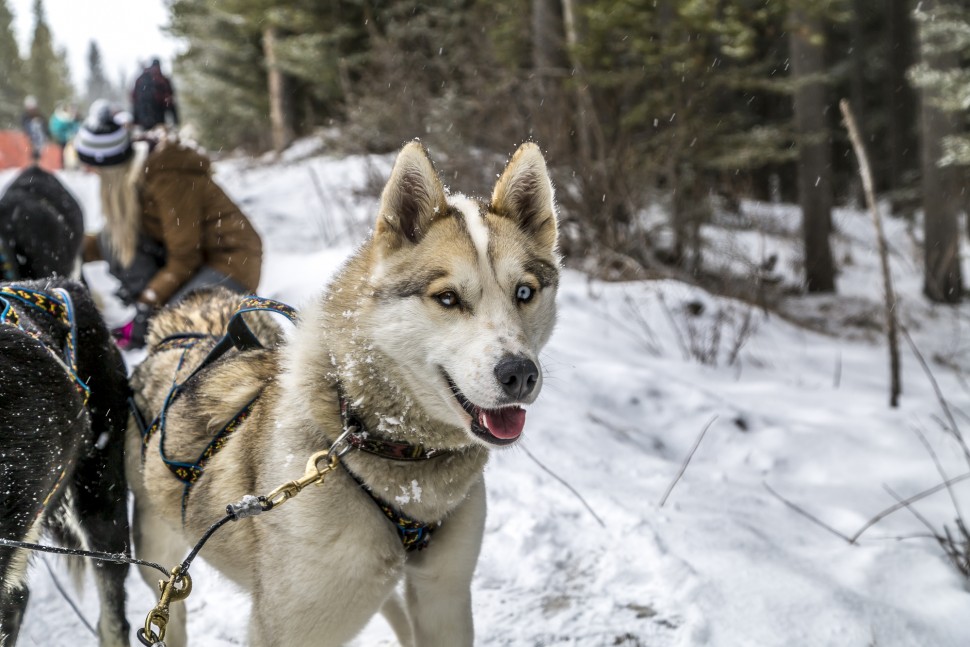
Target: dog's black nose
(517,375)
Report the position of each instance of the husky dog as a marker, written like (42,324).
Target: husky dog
(425,346)
(63,410)
(41,228)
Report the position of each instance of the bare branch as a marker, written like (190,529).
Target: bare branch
(889,296)
(837,380)
(568,486)
(683,468)
(673,324)
(946,542)
(916,497)
(954,429)
(923,520)
(808,515)
(939,469)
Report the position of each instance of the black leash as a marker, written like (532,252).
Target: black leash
(116,558)
(179,583)
(249,506)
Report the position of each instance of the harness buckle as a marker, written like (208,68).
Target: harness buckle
(175,589)
(313,474)
(342,439)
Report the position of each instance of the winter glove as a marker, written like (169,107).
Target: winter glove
(132,334)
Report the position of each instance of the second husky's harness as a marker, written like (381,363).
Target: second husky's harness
(58,306)
(8,266)
(414,534)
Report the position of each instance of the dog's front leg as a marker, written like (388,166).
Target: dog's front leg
(396,614)
(438,579)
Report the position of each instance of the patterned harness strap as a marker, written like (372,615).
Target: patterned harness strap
(358,438)
(414,534)
(59,306)
(56,304)
(8,266)
(238,335)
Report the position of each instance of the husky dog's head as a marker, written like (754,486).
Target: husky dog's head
(464,291)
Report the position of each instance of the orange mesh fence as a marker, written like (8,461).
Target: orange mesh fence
(15,152)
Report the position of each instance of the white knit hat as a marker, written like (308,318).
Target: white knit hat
(102,140)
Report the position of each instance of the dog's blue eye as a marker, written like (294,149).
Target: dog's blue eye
(448,299)
(524,293)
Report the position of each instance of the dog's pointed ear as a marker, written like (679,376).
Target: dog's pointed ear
(524,193)
(412,198)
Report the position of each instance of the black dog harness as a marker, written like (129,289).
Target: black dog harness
(414,534)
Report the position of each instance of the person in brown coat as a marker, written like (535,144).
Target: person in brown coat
(169,228)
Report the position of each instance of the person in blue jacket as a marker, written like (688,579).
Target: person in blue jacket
(63,125)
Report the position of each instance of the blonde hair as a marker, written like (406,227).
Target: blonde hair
(120,204)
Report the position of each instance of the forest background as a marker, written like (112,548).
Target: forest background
(679,108)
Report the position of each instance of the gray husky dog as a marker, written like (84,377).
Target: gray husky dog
(412,365)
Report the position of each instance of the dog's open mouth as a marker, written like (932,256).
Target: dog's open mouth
(496,426)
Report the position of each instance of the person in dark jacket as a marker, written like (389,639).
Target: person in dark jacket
(169,228)
(34,125)
(153,98)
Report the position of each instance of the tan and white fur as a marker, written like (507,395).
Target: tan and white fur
(432,331)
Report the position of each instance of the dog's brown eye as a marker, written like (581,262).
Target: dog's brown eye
(448,299)
(524,293)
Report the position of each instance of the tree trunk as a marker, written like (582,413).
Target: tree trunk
(598,178)
(551,112)
(943,281)
(587,126)
(857,61)
(282,131)
(900,99)
(815,165)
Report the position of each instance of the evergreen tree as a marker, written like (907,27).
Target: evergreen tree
(222,81)
(944,31)
(11,72)
(679,91)
(402,66)
(871,52)
(48,78)
(428,72)
(98,86)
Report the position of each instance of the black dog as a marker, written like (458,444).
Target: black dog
(41,228)
(63,411)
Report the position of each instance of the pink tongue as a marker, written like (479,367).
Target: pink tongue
(504,423)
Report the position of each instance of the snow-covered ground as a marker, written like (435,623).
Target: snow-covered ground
(724,562)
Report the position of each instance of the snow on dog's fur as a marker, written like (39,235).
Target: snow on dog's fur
(431,333)
(62,464)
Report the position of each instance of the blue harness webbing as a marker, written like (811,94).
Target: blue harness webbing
(60,307)
(56,304)
(238,335)
(414,535)
(8,266)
